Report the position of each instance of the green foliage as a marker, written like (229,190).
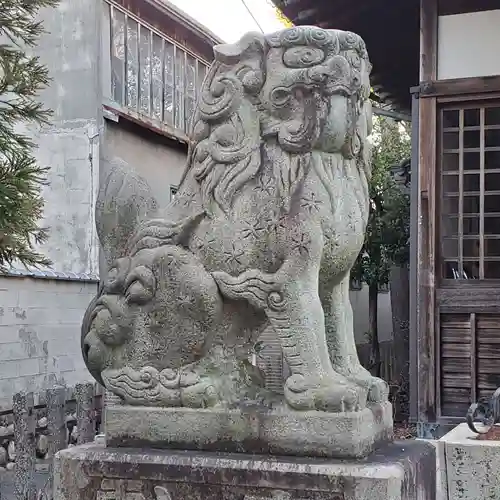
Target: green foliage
(388,231)
(22,76)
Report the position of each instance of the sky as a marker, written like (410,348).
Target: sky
(229,19)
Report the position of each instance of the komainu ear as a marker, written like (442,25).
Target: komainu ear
(124,200)
(233,53)
(248,56)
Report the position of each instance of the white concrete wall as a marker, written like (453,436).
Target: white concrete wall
(70,145)
(468,45)
(40,323)
(161,164)
(359,302)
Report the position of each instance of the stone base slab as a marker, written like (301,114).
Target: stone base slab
(472,465)
(253,430)
(399,471)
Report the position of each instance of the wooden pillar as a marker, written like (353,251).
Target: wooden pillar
(426,211)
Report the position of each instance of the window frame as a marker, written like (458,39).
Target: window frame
(462,105)
(150,118)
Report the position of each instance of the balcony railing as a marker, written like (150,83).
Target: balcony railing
(150,74)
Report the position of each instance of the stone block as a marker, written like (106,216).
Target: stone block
(472,465)
(400,471)
(251,430)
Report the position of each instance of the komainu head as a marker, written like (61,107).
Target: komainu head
(302,89)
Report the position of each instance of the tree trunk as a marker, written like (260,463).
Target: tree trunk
(373,330)
(400,306)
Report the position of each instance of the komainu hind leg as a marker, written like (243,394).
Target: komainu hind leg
(341,342)
(292,304)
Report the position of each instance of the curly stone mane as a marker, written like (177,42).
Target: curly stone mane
(239,111)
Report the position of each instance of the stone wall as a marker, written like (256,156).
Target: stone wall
(40,334)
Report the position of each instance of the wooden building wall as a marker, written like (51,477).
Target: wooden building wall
(456,239)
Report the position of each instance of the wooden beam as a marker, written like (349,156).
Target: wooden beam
(306,15)
(426,209)
(451,7)
(426,273)
(460,86)
(428,39)
(473,358)
(414,258)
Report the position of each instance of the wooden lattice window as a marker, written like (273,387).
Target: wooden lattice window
(470,191)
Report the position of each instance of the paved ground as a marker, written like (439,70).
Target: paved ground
(7,484)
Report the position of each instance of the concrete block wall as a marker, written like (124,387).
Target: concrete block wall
(40,323)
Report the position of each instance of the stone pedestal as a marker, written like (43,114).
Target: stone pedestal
(472,465)
(399,471)
(278,431)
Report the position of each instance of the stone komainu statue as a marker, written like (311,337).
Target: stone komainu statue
(269,219)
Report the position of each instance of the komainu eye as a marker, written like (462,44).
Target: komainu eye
(116,274)
(140,285)
(280,96)
(112,275)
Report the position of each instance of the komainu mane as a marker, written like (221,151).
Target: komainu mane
(268,221)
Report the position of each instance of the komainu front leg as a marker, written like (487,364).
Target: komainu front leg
(339,329)
(293,307)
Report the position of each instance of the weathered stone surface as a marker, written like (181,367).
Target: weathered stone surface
(42,445)
(11,450)
(251,430)
(24,437)
(472,465)
(268,221)
(85,413)
(401,471)
(441,484)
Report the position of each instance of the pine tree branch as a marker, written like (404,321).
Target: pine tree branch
(22,77)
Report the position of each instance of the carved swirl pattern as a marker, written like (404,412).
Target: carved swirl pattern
(276,301)
(146,385)
(220,96)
